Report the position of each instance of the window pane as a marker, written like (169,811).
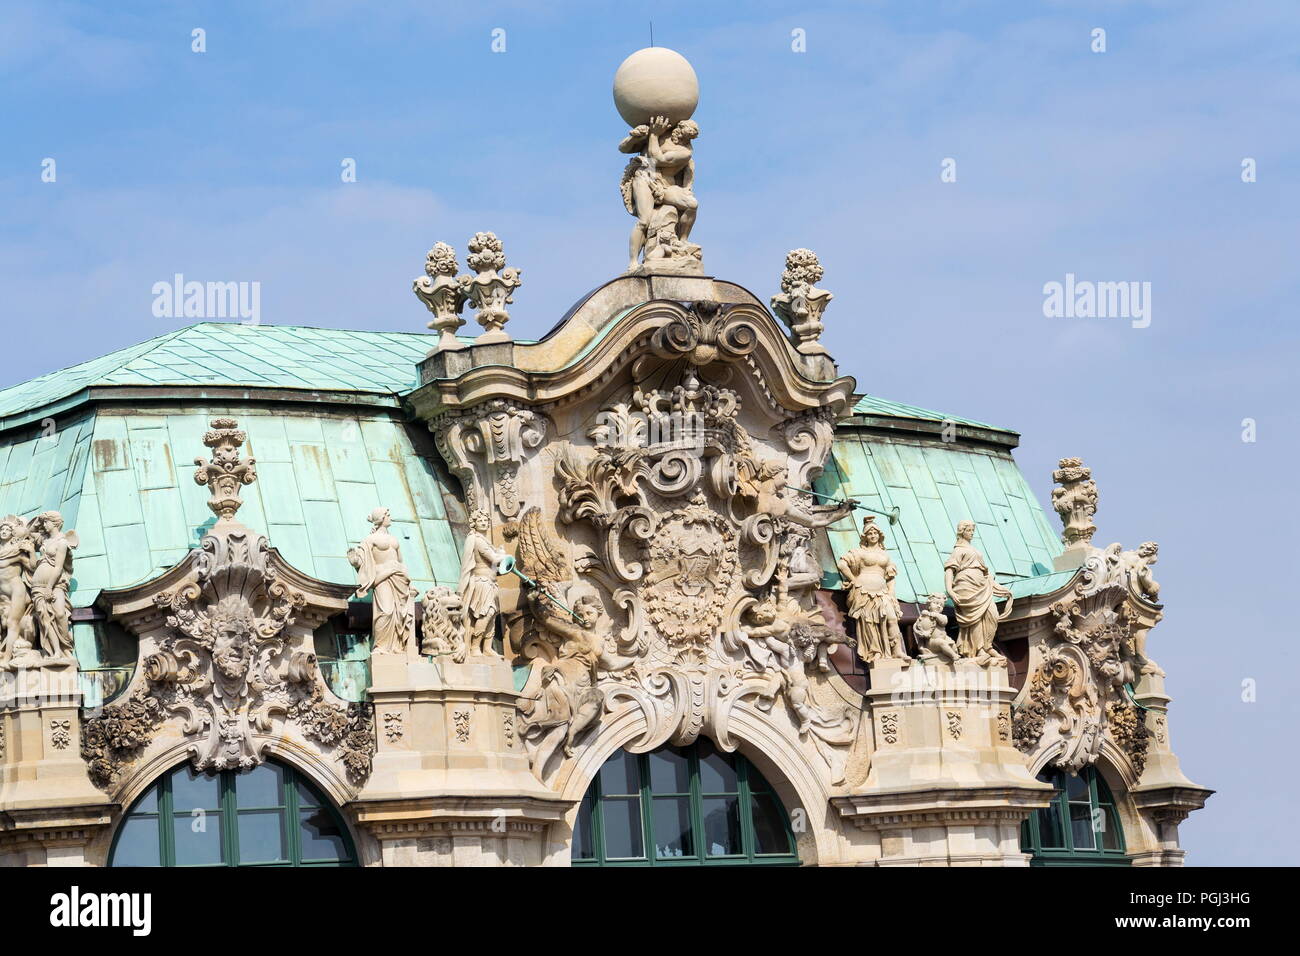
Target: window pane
(717,770)
(672,827)
(262,837)
(306,798)
(1081,826)
(137,843)
(769,825)
(623,828)
(721,826)
(1050,830)
(620,775)
(148,802)
(1110,835)
(261,787)
(194,791)
(197,838)
(321,837)
(669,772)
(584,847)
(1077,789)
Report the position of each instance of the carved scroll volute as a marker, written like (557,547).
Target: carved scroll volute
(809,438)
(451,436)
(704,333)
(485,447)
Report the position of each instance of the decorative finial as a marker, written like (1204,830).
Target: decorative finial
(492,289)
(800,303)
(656,91)
(443,293)
(1075,501)
(225,472)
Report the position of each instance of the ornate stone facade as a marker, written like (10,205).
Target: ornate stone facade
(647,545)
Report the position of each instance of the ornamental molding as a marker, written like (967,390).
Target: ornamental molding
(1077,693)
(739,335)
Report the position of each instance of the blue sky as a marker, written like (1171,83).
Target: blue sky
(1123,165)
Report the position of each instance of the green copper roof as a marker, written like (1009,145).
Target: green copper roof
(872,405)
(230,354)
(138,510)
(934,485)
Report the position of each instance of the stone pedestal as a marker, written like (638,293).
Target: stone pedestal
(451,783)
(946,785)
(49,810)
(1164,796)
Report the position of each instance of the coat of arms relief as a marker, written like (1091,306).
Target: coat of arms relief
(669,556)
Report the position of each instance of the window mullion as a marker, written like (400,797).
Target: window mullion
(746,809)
(293,837)
(696,804)
(649,848)
(228,817)
(166,820)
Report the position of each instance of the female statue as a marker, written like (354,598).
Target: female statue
(869,573)
(380,571)
(478,585)
(49,586)
(975,593)
(17,559)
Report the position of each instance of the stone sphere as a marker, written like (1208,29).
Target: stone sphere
(655,81)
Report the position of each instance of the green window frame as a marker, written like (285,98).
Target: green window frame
(1080,827)
(269,815)
(682,806)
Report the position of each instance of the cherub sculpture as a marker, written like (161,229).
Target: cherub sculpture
(930,631)
(657,189)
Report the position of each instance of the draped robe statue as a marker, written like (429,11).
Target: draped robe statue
(975,593)
(380,572)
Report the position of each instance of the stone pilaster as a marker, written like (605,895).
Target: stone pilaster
(946,785)
(451,784)
(1164,796)
(49,811)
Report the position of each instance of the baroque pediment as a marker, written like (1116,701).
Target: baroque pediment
(650,487)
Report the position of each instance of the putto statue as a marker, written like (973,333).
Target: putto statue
(35,571)
(869,574)
(380,572)
(656,188)
(930,631)
(975,593)
(478,585)
(656,92)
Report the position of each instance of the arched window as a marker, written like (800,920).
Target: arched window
(1080,827)
(681,806)
(267,816)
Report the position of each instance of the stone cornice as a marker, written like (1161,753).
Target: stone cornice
(771,359)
